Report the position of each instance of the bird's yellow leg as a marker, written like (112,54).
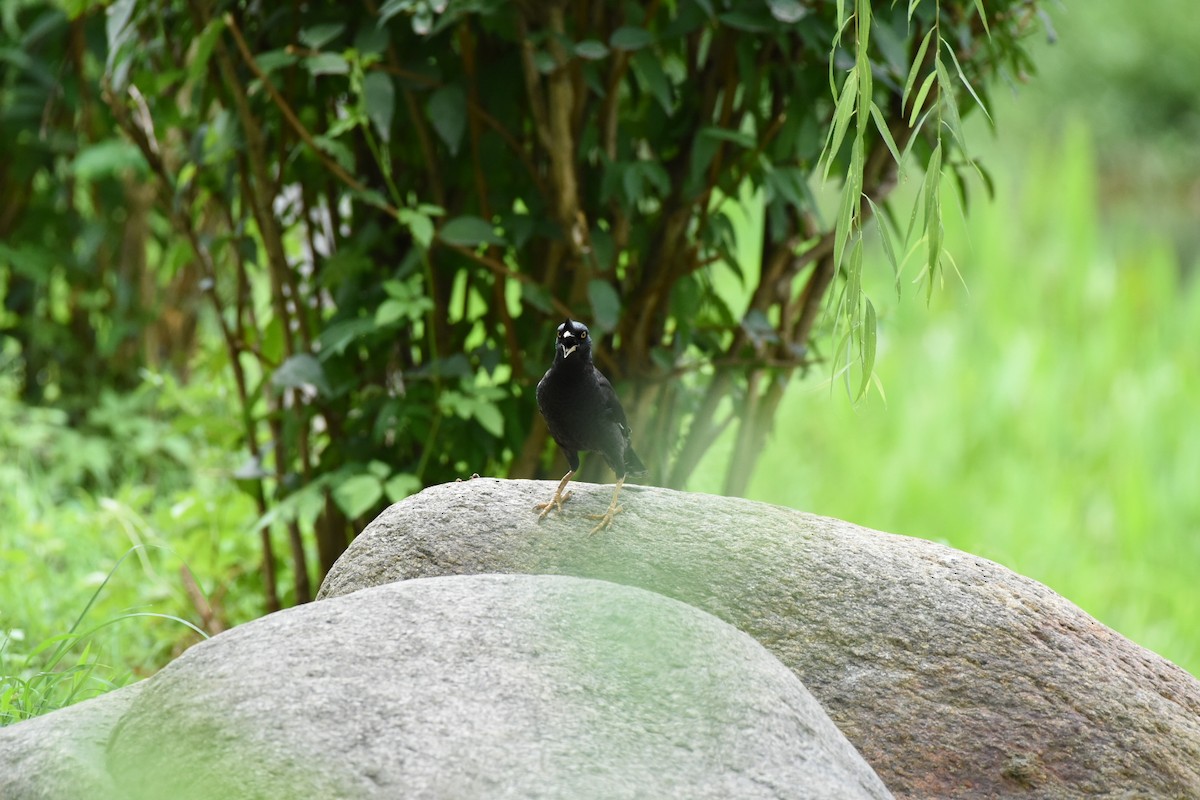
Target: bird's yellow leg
(559,498)
(613,509)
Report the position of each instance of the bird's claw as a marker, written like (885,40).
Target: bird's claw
(554,504)
(605,519)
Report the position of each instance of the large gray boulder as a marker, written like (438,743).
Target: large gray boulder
(477,687)
(953,676)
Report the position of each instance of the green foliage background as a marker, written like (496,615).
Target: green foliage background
(1038,413)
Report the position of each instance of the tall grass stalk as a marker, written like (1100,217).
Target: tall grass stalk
(55,681)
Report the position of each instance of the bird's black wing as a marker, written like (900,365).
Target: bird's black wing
(611,404)
(625,461)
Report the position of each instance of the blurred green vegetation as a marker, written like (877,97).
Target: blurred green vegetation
(1128,73)
(1041,411)
(140,490)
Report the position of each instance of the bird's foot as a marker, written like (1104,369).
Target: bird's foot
(555,504)
(605,519)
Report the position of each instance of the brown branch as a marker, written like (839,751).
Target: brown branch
(560,104)
(533,85)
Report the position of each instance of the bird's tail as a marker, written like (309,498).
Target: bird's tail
(633,464)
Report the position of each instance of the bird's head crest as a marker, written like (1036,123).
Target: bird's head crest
(572,336)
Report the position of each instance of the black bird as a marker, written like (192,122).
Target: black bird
(583,414)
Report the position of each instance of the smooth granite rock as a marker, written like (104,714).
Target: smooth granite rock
(953,676)
(483,687)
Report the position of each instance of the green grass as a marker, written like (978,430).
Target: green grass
(63,669)
(1043,416)
(95,528)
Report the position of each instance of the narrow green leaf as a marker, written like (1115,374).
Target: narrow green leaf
(933,177)
(914,133)
(863,67)
(867,349)
(841,355)
(967,83)
(933,213)
(854,268)
(885,237)
(153,615)
(850,202)
(983,18)
(954,266)
(951,118)
(845,217)
(841,118)
(920,101)
(198,60)
(918,205)
(862,13)
(882,127)
(878,384)
(912,6)
(915,70)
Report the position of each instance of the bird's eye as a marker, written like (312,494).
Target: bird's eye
(583,335)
